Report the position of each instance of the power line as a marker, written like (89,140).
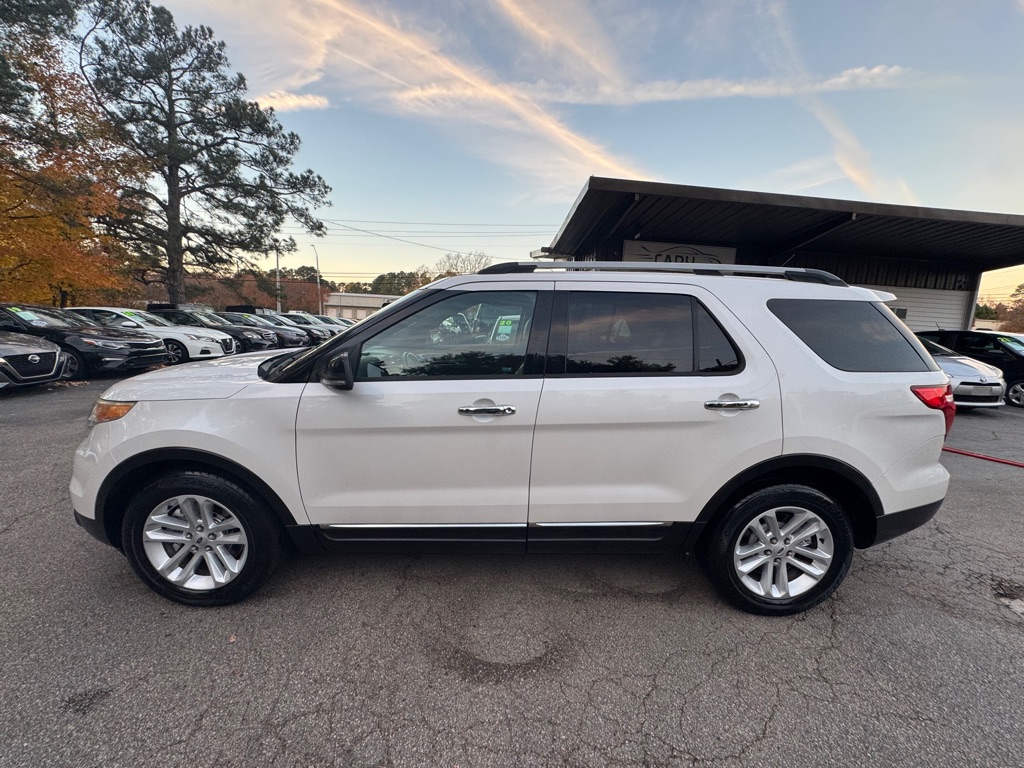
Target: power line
(432,223)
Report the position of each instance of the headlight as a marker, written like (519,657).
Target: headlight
(318,332)
(106,344)
(193,337)
(250,335)
(108,410)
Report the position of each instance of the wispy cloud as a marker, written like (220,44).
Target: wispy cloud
(780,51)
(393,58)
(403,70)
(797,177)
(859,78)
(284,101)
(567,32)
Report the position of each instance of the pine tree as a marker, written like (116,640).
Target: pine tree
(222,183)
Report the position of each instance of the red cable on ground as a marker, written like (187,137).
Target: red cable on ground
(983,456)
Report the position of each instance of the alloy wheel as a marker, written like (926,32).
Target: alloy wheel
(783,552)
(195,542)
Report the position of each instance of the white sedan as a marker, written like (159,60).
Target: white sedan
(184,343)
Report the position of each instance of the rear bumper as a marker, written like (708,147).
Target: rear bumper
(897,523)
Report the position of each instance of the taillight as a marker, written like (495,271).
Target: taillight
(939,397)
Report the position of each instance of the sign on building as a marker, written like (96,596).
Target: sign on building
(676,253)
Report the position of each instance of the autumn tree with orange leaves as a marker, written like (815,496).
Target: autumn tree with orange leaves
(61,166)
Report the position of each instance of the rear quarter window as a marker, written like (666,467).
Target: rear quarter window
(858,336)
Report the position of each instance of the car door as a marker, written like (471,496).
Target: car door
(437,429)
(655,396)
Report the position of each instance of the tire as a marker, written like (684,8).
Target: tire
(176,352)
(74,369)
(760,570)
(1015,394)
(164,537)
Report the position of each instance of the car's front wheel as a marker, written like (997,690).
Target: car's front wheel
(74,368)
(176,352)
(1015,394)
(200,539)
(780,550)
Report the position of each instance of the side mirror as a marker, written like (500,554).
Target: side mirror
(130,324)
(337,374)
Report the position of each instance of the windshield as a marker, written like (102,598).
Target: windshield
(147,318)
(1013,343)
(299,320)
(936,349)
(238,319)
(278,320)
(49,318)
(209,318)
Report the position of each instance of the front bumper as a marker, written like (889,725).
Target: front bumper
(257,345)
(17,372)
(126,360)
(93,527)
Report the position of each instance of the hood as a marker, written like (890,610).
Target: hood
(965,367)
(204,380)
(23,344)
(95,331)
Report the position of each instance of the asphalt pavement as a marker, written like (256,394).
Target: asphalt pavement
(543,660)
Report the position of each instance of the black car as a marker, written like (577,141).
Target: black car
(1004,351)
(89,348)
(286,337)
(28,360)
(315,335)
(248,339)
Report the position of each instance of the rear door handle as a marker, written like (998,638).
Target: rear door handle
(487,410)
(732,405)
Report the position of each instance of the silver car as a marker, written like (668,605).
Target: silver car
(28,360)
(975,384)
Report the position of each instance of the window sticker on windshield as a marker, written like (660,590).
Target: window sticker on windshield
(39,323)
(24,314)
(129,313)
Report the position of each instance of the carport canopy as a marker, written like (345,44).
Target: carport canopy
(768,228)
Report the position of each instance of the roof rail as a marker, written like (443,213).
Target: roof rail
(799,275)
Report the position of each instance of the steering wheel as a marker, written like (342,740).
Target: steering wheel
(412,360)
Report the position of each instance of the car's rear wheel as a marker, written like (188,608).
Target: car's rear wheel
(1015,394)
(176,352)
(200,539)
(780,550)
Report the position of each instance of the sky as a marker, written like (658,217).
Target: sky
(472,125)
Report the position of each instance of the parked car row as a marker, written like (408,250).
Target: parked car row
(43,344)
(1002,354)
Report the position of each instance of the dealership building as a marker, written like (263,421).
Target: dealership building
(932,259)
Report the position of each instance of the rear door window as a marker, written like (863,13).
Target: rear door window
(859,336)
(632,334)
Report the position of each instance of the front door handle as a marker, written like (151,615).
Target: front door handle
(732,405)
(487,410)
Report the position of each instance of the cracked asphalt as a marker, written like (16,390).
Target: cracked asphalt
(545,660)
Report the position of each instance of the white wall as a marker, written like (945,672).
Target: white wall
(927,309)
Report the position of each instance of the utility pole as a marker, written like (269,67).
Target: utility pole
(319,295)
(277,277)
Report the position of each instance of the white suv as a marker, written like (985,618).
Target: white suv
(768,420)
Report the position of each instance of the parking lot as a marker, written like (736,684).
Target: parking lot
(505,660)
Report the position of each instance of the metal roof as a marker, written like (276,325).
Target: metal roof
(620,209)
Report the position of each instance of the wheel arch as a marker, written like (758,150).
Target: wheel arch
(118,487)
(841,482)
